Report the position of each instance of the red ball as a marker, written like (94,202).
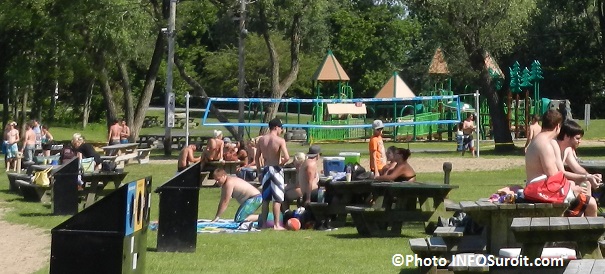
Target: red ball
(293,224)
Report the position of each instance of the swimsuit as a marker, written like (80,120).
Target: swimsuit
(570,195)
(273,183)
(248,207)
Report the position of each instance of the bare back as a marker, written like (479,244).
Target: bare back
(242,190)
(30,137)
(273,150)
(307,176)
(541,157)
(114,132)
(214,149)
(534,129)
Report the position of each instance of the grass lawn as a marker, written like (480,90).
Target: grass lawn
(341,251)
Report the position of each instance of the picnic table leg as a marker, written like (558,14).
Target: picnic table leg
(532,250)
(92,194)
(589,250)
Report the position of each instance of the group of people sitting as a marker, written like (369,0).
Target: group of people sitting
(546,156)
(271,150)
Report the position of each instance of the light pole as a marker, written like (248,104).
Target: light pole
(169,111)
(242,73)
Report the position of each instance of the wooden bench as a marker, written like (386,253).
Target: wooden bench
(32,192)
(468,263)
(533,233)
(205,180)
(585,266)
(143,156)
(439,247)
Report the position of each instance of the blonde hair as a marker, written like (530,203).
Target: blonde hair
(299,157)
(77,137)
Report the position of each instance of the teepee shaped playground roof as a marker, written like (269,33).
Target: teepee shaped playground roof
(330,70)
(395,88)
(438,64)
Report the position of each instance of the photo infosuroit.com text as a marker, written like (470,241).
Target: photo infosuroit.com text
(475,260)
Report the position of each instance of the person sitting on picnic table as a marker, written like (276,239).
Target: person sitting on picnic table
(292,190)
(569,139)
(186,157)
(543,159)
(214,149)
(534,129)
(85,150)
(230,151)
(402,171)
(247,196)
(242,154)
(391,163)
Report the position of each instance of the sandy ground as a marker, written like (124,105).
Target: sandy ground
(23,249)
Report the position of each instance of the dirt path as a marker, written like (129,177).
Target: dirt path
(23,249)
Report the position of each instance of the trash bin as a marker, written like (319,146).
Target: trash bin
(65,189)
(177,222)
(108,237)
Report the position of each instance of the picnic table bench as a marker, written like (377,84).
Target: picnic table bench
(534,232)
(585,266)
(124,153)
(151,120)
(96,183)
(400,202)
(497,218)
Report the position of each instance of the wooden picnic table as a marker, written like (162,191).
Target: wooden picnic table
(178,139)
(346,194)
(535,232)
(497,218)
(96,182)
(229,166)
(398,202)
(289,175)
(124,152)
(593,166)
(151,120)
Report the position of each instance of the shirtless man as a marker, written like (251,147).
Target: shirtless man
(186,157)
(308,176)
(114,133)
(569,139)
(292,189)
(11,138)
(275,154)
(468,127)
(124,133)
(534,129)
(29,142)
(543,159)
(248,196)
(214,149)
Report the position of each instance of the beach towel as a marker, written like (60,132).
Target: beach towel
(220,226)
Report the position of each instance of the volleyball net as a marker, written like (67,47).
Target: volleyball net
(341,113)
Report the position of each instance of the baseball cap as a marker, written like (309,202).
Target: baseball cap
(276,122)
(314,150)
(227,140)
(377,124)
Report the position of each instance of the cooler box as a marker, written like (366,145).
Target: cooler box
(336,164)
(351,157)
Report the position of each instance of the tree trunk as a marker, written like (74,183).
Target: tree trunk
(5,103)
(279,88)
(198,90)
(111,113)
(23,118)
(86,112)
(128,107)
(150,79)
(601,15)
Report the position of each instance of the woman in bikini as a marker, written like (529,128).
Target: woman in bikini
(402,171)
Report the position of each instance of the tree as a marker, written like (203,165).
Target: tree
(480,27)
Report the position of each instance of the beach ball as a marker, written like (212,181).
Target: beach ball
(293,224)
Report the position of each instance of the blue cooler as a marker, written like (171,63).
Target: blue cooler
(336,164)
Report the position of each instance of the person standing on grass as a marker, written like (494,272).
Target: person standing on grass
(543,159)
(273,149)
(114,133)
(46,140)
(29,142)
(533,130)
(468,127)
(377,154)
(246,195)
(124,133)
(11,138)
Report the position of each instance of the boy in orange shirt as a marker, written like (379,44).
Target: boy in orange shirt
(377,154)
